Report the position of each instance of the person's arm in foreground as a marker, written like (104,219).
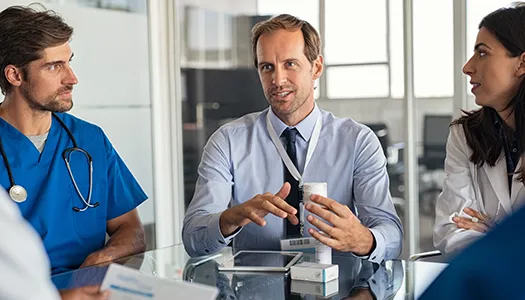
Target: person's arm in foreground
(24,266)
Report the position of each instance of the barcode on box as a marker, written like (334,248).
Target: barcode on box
(300,242)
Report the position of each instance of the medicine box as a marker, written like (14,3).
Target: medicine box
(308,271)
(323,289)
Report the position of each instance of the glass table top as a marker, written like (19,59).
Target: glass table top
(358,279)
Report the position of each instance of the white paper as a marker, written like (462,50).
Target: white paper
(129,284)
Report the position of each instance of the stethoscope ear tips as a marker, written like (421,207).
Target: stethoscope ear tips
(95,205)
(76,209)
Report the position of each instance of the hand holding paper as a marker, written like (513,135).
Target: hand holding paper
(129,284)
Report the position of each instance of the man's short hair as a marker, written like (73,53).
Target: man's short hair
(24,34)
(312,41)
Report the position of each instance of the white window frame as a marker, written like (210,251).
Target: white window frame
(323,84)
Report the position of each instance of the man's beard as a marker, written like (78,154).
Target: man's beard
(51,103)
(295,104)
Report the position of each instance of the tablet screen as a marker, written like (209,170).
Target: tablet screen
(261,259)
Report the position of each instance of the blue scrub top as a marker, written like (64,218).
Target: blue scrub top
(69,236)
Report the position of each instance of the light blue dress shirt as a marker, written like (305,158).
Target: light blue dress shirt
(240,161)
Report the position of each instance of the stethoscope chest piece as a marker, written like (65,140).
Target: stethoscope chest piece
(18,193)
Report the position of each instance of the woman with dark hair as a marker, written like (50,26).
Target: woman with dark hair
(484,174)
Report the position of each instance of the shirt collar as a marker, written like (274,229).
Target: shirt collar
(498,125)
(305,127)
(497,120)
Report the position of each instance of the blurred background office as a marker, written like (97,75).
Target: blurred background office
(160,76)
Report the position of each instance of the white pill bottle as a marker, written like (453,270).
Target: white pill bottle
(323,253)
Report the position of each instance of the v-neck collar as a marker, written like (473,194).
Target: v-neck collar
(13,137)
(50,146)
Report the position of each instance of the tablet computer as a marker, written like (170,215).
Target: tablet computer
(261,261)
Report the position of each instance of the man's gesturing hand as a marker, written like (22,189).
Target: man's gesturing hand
(255,209)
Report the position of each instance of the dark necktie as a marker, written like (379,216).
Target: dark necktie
(295,195)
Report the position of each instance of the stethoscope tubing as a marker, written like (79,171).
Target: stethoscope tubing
(66,155)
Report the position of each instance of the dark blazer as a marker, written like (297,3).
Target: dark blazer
(490,268)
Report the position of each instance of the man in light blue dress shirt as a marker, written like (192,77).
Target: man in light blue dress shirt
(240,191)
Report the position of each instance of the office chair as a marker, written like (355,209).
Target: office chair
(395,166)
(381,131)
(424,255)
(435,134)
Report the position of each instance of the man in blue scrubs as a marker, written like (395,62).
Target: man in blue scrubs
(70,209)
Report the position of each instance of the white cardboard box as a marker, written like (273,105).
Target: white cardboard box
(298,244)
(324,289)
(308,271)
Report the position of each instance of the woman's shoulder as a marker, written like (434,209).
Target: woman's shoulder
(469,121)
(457,132)
(457,139)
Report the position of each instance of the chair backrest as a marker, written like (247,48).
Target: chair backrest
(381,131)
(435,134)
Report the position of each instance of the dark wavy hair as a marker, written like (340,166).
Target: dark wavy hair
(508,26)
(24,33)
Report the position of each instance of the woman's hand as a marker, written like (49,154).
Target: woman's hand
(84,293)
(479,221)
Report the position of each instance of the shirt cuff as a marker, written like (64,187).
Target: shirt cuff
(216,240)
(378,284)
(378,253)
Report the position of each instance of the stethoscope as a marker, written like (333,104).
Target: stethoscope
(19,194)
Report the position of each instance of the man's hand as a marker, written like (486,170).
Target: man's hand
(126,238)
(255,209)
(479,222)
(97,258)
(84,293)
(346,235)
